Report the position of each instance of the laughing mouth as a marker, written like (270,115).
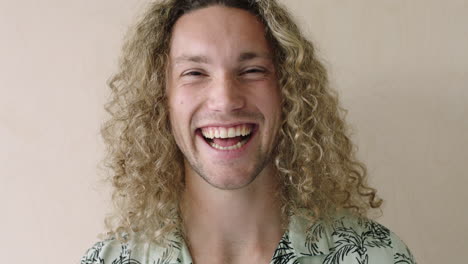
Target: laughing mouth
(228,138)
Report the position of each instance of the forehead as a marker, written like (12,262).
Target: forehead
(218,31)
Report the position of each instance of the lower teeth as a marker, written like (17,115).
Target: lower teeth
(233,147)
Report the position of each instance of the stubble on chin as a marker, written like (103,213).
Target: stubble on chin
(219,179)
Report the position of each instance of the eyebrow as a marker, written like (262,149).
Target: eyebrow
(244,56)
(191,58)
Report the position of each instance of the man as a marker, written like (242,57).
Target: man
(228,146)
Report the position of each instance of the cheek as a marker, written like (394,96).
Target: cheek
(183,97)
(175,114)
(178,119)
(181,107)
(177,103)
(269,100)
(272,106)
(175,99)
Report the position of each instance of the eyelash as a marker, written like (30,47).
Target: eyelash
(252,70)
(192,73)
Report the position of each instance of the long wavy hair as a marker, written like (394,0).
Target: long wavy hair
(315,157)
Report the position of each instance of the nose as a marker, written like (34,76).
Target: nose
(226,95)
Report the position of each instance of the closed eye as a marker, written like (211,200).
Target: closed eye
(254,70)
(254,74)
(192,73)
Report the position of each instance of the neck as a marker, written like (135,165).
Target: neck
(226,225)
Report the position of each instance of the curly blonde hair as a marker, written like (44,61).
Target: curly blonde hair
(315,157)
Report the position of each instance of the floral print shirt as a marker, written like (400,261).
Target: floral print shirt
(348,240)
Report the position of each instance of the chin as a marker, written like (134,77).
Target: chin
(229,182)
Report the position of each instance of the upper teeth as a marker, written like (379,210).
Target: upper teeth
(223,132)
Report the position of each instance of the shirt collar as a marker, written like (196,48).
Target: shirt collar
(308,240)
(300,240)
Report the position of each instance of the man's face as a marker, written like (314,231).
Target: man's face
(224,99)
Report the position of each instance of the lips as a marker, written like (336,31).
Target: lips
(228,138)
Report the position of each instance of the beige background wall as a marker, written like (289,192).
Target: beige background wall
(401,67)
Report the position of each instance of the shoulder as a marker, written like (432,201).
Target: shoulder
(96,254)
(114,251)
(107,251)
(347,239)
(366,241)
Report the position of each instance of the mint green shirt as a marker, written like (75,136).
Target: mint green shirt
(347,240)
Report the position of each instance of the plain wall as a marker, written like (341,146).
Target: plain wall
(401,67)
